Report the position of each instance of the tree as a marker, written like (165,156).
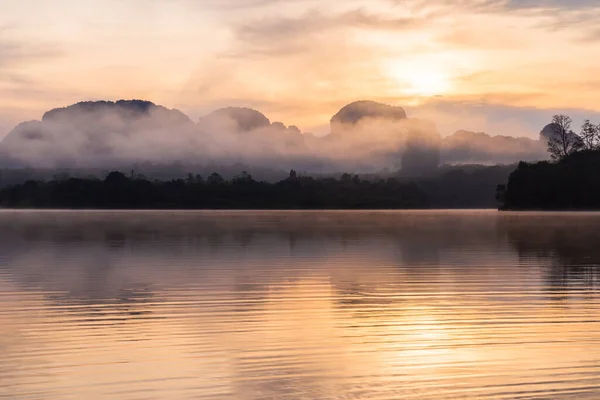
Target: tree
(590,135)
(116,178)
(563,140)
(243,177)
(190,179)
(61,176)
(215,179)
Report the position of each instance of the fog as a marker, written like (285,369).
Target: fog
(364,137)
(464,147)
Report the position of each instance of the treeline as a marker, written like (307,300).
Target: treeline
(570,182)
(118,191)
(464,186)
(152,172)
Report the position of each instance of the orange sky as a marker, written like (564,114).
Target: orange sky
(473,64)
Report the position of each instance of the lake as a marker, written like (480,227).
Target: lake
(299,305)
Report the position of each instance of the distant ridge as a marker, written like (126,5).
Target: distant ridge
(364,136)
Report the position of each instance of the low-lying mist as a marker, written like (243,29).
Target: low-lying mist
(365,137)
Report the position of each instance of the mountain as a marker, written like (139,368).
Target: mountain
(408,143)
(481,148)
(365,136)
(95,132)
(124,110)
(243,119)
(360,110)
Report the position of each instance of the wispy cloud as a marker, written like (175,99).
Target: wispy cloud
(300,60)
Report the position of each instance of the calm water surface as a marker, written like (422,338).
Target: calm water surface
(299,305)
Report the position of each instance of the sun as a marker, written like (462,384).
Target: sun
(421,80)
(428,83)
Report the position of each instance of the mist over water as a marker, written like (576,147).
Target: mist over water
(287,305)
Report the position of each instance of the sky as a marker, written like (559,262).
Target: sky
(499,66)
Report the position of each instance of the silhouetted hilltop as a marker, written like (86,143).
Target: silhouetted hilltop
(354,112)
(246,135)
(365,136)
(408,143)
(94,133)
(246,119)
(88,111)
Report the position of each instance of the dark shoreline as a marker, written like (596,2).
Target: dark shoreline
(118,191)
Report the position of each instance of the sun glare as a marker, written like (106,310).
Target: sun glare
(423,81)
(428,83)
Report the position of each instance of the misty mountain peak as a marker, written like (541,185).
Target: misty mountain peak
(364,134)
(464,134)
(126,109)
(354,112)
(245,118)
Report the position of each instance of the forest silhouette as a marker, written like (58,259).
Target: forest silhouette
(569,182)
(118,191)
(450,187)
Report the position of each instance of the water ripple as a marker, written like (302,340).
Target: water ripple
(299,305)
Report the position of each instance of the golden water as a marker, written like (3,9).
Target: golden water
(299,305)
